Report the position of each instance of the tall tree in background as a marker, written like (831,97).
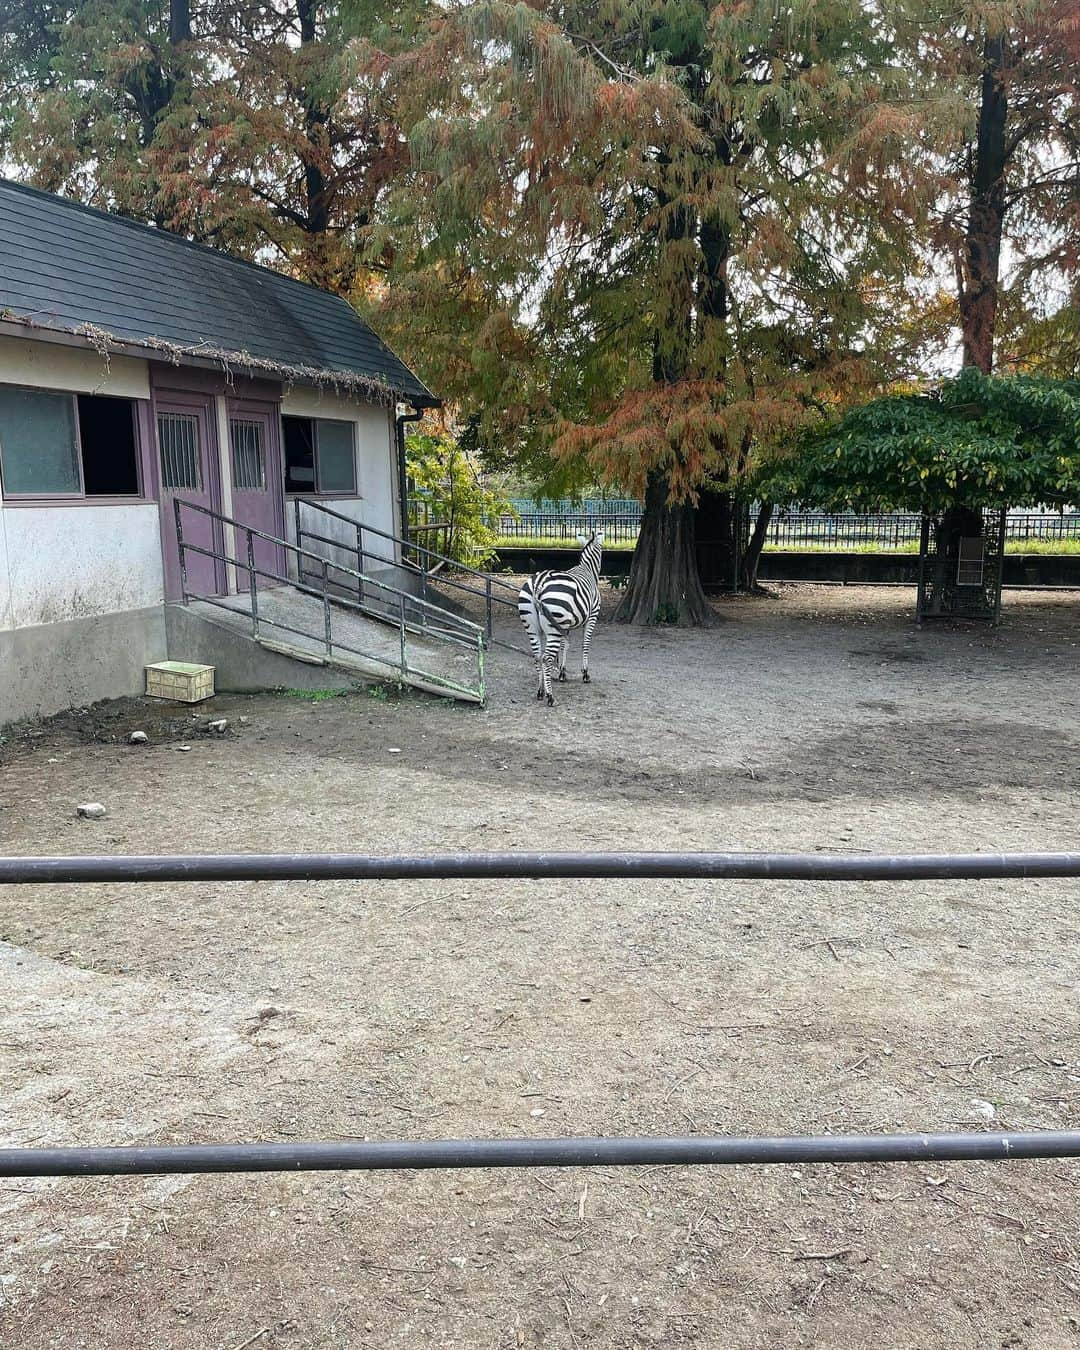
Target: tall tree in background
(248,124)
(86,89)
(1012,184)
(1009,186)
(679,224)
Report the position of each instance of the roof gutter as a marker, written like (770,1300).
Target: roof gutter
(403,480)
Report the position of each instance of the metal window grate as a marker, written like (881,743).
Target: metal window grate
(178,441)
(248,457)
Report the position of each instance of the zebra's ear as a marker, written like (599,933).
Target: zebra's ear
(599,536)
(582,539)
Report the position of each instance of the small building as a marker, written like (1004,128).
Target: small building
(136,369)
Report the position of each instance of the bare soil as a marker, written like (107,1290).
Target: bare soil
(186,1013)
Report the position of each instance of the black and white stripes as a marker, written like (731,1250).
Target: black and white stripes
(551,603)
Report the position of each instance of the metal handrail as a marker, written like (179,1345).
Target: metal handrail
(487,591)
(469,634)
(406,543)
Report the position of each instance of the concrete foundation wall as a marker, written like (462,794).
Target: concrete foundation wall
(241,664)
(53,666)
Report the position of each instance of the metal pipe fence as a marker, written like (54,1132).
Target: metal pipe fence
(426,1154)
(538,866)
(569,1152)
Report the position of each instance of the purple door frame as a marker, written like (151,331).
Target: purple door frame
(261,508)
(182,388)
(205,576)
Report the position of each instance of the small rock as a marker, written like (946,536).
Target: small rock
(393,750)
(183,747)
(537,1111)
(138,738)
(984,1110)
(218,726)
(90,810)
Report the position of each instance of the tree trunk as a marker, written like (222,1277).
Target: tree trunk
(752,556)
(979,294)
(316,189)
(179,21)
(665,587)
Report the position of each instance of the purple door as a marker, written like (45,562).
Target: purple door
(187,473)
(257,501)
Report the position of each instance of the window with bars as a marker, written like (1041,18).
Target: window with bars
(67,445)
(248,455)
(178,440)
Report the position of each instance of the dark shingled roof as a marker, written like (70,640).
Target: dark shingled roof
(64,265)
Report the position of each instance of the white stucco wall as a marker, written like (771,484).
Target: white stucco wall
(6,620)
(69,562)
(376,479)
(49,365)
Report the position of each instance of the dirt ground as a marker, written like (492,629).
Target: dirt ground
(186,1013)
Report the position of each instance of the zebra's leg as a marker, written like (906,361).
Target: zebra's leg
(590,625)
(536,643)
(562,658)
(551,655)
(529,617)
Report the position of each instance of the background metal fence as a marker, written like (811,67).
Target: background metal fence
(790,528)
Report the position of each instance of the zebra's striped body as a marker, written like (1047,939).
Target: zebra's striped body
(552,603)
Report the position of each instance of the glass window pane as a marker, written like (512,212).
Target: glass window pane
(178,440)
(337,467)
(299,434)
(248,461)
(38,452)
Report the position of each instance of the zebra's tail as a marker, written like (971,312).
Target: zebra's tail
(529,610)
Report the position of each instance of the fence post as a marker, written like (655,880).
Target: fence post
(252,584)
(359,563)
(180,550)
(490,619)
(327,633)
(404,651)
(299,541)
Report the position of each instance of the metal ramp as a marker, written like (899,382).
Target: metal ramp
(333,615)
(346,548)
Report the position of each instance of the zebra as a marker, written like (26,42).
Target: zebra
(551,603)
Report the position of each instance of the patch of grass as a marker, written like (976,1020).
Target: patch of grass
(911,546)
(537,541)
(312,695)
(1040,546)
(1047,546)
(1050,546)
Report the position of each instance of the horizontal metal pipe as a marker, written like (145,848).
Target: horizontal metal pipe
(702,866)
(456,1153)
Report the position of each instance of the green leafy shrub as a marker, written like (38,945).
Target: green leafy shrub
(977,439)
(444,476)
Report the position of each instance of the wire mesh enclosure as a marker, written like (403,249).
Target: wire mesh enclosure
(960,565)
